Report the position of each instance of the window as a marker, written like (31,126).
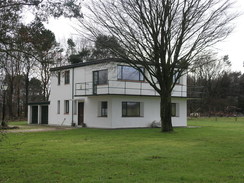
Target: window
(100,77)
(104,109)
(130,73)
(131,109)
(174,109)
(66,77)
(59,78)
(66,107)
(175,77)
(58,107)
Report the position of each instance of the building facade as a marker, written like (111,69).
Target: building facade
(108,94)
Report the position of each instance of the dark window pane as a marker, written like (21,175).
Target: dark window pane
(100,77)
(66,77)
(59,77)
(104,108)
(66,107)
(131,109)
(173,109)
(129,73)
(103,77)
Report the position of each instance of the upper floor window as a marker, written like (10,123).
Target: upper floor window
(66,107)
(130,73)
(66,77)
(100,77)
(175,77)
(59,78)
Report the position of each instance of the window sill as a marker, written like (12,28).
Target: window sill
(102,116)
(132,116)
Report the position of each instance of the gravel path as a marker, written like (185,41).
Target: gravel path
(40,129)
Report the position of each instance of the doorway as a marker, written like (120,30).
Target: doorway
(34,119)
(81,113)
(44,115)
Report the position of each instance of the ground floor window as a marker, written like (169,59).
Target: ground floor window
(174,109)
(66,107)
(131,109)
(58,107)
(103,109)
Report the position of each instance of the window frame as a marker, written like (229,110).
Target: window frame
(67,77)
(120,74)
(125,108)
(59,78)
(58,107)
(66,106)
(104,109)
(174,109)
(97,74)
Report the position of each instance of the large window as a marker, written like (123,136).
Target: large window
(131,109)
(129,73)
(100,77)
(66,107)
(66,77)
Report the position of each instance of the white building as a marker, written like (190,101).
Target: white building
(106,94)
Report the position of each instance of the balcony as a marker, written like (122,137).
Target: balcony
(118,87)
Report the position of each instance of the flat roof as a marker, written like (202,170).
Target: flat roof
(89,62)
(39,103)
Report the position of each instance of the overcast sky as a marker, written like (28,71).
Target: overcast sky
(232,46)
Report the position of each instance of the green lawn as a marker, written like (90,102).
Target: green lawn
(213,152)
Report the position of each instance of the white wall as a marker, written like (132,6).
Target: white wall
(63,92)
(60,92)
(151,112)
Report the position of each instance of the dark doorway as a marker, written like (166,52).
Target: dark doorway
(44,114)
(34,119)
(81,113)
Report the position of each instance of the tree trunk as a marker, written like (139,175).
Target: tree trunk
(165,113)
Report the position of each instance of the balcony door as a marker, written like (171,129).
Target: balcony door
(95,82)
(99,78)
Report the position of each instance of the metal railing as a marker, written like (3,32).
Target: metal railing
(123,88)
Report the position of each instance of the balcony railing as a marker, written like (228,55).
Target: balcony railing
(119,87)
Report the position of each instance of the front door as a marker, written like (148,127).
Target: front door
(81,113)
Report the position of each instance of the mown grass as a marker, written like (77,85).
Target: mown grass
(212,152)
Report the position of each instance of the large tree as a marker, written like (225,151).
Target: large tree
(162,36)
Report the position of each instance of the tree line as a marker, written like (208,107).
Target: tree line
(28,51)
(215,90)
(165,37)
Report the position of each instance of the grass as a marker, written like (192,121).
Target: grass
(214,152)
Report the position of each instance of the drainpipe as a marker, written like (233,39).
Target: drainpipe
(72,115)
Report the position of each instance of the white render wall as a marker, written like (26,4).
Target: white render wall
(114,119)
(151,112)
(60,92)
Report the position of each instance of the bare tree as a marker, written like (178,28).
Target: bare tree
(162,36)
